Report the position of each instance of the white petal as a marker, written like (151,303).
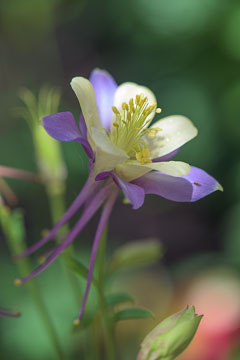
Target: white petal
(132,169)
(129,90)
(107,154)
(174,168)
(176,131)
(87,99)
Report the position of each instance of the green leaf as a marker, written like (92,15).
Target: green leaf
(133,313)
(135,255)
(118,298)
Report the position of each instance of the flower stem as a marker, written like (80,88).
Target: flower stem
(106,319)
(12,226)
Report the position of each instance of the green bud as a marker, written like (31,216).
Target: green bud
(47,150)
(171,337)
(136,254)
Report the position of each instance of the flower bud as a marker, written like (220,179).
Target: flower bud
(48,152)
(171,337)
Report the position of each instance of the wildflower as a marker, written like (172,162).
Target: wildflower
(131,157)
(171,337)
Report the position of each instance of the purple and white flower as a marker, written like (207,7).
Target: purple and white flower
(125,154)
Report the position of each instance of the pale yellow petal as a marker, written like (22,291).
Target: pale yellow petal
(175,131)
(132,169)
(86,97)
(108,156)
(174,168)
(129,90)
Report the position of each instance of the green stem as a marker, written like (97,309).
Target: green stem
(12,226)
(106,318)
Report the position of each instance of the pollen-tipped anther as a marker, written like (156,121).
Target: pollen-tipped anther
(115,110)
(76,322)
(42,259)
(143,156)
(18,282)
(125,106)
(44,232)
(137,99)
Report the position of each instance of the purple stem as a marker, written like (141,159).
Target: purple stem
(18,174)
(80,199)
(101,226)
(86,216)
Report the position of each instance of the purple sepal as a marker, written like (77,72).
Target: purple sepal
(62,126)
(83,127)
(134,193)
(166,157)
(192,187)
(104,86)
(86,146)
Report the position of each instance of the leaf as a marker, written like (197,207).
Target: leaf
(136,254)
(133,313)
(118,298)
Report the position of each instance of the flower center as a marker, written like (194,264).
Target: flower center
(129,126)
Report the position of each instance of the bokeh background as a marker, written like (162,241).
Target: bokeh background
(188,53)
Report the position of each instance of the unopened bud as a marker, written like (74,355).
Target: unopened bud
(171,337)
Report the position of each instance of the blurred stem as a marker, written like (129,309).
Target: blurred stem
(94,343)
(106,318)
(16,243)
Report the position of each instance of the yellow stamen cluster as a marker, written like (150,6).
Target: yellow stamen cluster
(152,132)
(143,156)
(129,126)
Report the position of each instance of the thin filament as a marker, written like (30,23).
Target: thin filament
(101,225)
(77,203)
(86,216)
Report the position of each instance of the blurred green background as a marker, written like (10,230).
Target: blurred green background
(188,53)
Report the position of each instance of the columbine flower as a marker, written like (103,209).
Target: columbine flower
(114,132)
